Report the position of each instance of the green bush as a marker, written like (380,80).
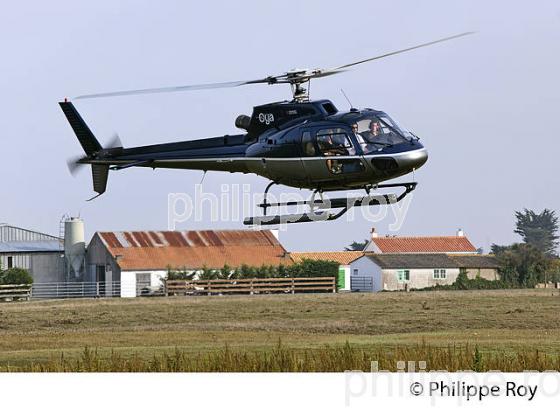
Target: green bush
(15,276)
(305,269)
(464,283)
(181,274)
(312,268)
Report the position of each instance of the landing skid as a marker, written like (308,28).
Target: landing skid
(322,209)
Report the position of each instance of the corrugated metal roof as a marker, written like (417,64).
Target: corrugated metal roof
(30,246)
(9,233)
(342,257)
(431,261)
(154,239)
(424,244)
(144,250)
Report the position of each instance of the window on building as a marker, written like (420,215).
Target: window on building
(10,262)
(355,272)
(440,274)
(403,275)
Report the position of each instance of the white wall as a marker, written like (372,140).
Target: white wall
(128,281)
(347,272)
(419,278)
(387,279)
(364,266)
(346,269)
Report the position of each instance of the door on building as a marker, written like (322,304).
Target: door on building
(341,282)
(100,278)
(143,283)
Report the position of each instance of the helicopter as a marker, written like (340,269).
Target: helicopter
(301,143)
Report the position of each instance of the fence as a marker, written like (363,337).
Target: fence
(249,286)
(64,290)
(361,283)
(15,292)
(548,285)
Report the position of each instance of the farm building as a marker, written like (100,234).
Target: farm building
(41,254)
(375,272)
(458,244)
(344,258)
(140,259)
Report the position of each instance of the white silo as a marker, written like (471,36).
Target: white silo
(74,247)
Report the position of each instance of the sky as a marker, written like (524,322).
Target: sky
(485,106)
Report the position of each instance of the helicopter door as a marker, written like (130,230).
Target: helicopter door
(328,152)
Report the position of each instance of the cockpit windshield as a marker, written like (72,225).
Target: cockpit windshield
(376,132)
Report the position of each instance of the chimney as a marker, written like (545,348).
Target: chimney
(460,232)
(373,233)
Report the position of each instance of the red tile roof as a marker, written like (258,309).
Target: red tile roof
(193,249)
(342,257)
(424,244)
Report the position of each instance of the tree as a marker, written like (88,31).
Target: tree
(522,264)
(357,246)
(15,276)
(538,230)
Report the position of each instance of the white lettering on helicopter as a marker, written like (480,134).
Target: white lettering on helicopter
(266,118)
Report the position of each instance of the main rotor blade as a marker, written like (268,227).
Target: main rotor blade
(286,78)
(174,89)
(404,50)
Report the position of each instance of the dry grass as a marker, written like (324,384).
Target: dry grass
(323,359)
(132,333)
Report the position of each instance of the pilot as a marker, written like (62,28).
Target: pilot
(373,132)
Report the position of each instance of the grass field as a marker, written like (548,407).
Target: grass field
(503,323)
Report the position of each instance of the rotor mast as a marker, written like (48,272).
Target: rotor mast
(299,83)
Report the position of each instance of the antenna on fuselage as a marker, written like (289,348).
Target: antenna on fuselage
(347,99)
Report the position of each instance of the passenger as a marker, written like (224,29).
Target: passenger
(332,145)
(340,144)
(326,144)
(363,143)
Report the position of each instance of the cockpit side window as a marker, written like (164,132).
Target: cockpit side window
(334,142)
(308,145)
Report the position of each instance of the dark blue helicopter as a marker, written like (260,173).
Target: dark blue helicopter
(300,143)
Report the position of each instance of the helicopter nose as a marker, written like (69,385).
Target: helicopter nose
(414,159)
(421,158)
